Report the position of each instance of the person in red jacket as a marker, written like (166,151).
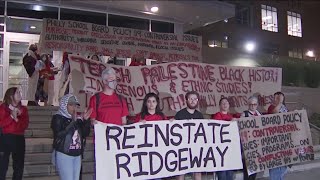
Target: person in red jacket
(224,115)
(13,123)
(48,74)
(150,110)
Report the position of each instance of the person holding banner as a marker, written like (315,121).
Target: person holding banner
(224,115)
(69,133)
(190,112)
(150,110)
(278,106)
(108,106)
(95,57)
(252,111)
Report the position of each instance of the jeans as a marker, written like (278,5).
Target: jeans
(15,145)
(277,173)
(225,175)
(68,166)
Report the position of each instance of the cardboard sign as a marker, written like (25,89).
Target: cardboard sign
(74,36)
(276,140)
(162,148)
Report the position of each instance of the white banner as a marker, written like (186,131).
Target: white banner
(74,36)
(163,149)
(171,81)
(276,140)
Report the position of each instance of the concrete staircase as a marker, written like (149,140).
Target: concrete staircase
(39,147)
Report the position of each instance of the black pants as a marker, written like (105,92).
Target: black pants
(14,145)
(245,172)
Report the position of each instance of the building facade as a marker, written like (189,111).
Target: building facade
(260,28)
(21,24)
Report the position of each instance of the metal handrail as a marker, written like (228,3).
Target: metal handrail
(315,127)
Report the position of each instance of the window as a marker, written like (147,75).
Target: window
(294,24)
(269,18)
(31,11)
(24,26)
(2,8)
(243,15)
(128,22)
(162,27)
(215,43)
(295,53)
(85,16)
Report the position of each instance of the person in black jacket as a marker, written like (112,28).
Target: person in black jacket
(69,132)
(32,65)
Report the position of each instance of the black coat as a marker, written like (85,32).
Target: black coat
(63,129)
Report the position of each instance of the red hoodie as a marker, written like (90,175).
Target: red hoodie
(149,117)
(221,116)
(9,125)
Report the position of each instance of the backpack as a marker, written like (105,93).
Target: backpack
(29,64)
(247,113)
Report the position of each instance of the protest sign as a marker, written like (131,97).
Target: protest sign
(74,36)
(171,81)
(276,140)
(162,148)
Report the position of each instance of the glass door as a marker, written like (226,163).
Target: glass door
(17,46)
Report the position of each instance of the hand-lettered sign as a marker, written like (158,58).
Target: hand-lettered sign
(171,81)
(74,36)
(276,140)
(162,148)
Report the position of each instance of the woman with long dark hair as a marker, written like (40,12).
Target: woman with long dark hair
(14,120)
(150,110)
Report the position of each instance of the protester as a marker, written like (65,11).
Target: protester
(252,111)
(150,110)
(190,112)
(138,61)
(33,66)
(95,57)
(48,74)
(224,115)
(13,123)
(278,106)
(69,133)
(108,106)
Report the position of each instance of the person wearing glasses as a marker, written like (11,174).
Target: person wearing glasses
(252,111)
(190,112)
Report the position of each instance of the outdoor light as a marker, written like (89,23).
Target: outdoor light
(250,46)
(37,8)
(226,20)
(1,24)
(310,53)
(33,27)
(154,9)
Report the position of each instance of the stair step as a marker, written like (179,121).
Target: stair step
(45,158)
(39,125)
(48,170)
(85,176)
(38,133)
